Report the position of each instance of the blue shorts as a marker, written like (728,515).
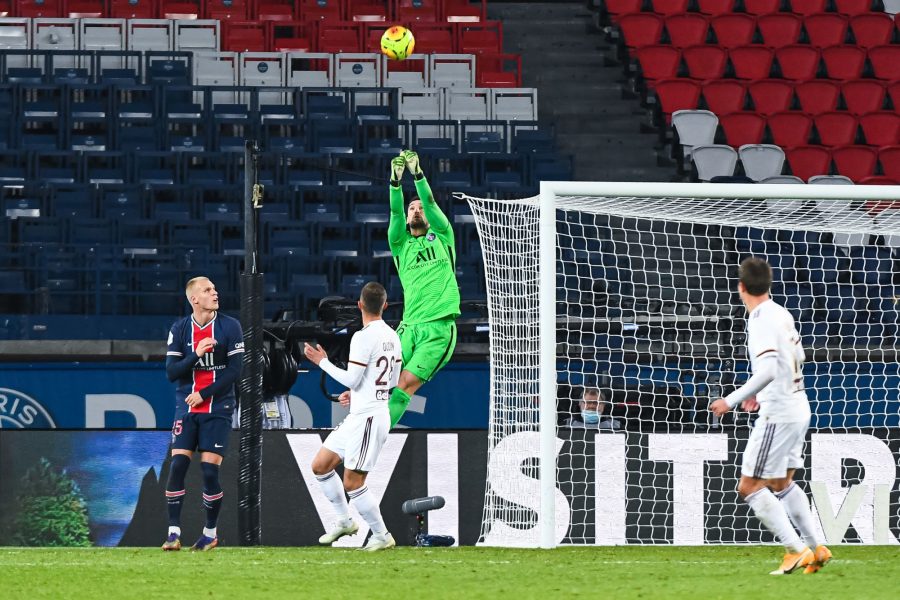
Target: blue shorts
(201,433)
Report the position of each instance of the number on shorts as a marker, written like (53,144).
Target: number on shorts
(176,427)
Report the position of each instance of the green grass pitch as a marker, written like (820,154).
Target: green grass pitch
(632,572)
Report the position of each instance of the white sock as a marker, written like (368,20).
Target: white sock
(772,515)
(210,533)
(334,490)
(175,530)
(364,502)
(796,505)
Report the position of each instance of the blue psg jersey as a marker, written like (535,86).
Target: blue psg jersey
(183,338)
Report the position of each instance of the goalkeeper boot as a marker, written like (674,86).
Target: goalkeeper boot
(205,543)
(340,529)
(795,560)
(172,543)
(823,555)
(377,542)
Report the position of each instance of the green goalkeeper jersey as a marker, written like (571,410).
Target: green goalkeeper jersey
(426,264)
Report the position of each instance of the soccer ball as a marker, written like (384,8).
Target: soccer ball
(397,42)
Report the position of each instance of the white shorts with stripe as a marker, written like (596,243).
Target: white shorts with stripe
(359,438)
(773,448)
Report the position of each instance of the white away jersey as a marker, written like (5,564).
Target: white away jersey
(771,330)
(376,347)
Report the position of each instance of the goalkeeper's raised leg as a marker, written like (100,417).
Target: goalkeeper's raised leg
(424,250)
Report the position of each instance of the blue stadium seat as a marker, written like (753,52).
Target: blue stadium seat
(351,285)
(41,230)
(72,202)
(91,231)
(122,203)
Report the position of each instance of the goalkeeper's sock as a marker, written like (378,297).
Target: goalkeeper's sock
(212,494)
(772,515)
(796,505)
(397,405)
(175,489)
(365,504)
(334,490)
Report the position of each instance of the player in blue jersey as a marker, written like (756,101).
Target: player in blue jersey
(204,356)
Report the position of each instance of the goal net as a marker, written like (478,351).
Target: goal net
(615,320)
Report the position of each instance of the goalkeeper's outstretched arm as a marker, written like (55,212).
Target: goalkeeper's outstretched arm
(437,220)
(397,222)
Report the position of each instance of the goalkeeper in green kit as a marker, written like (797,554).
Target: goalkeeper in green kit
(422,245)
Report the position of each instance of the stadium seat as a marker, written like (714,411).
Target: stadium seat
(615,8)
(798,63)
(872,29)
(784,179)
(715,7)
(892,7)
(751,62)
(761,7)
(742,128)
(807,161)
(686,29)
(885,61)
(658,62)
(733,30)
(881,128)
(889,157)
(790,128)
(418,11)
(676,94)
(826,29)
(844,62)
(705,61)
(779,29)
(770,95)
(452,70)
(226,10)
(856,162)
(817,96)
(724,96)
(836,128)
(669,7)
(853,7)
(808,8)
(694,128)
(640,29)
(863,96)
(761,161)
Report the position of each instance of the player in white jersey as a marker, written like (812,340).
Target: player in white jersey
(775,447)
(372,372)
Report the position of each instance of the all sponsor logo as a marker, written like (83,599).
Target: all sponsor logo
(21,411)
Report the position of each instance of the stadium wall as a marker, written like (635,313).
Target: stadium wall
(664,488)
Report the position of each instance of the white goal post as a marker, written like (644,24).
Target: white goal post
(633,282)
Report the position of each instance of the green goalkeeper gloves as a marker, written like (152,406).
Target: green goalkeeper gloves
(412,162)
(397,167)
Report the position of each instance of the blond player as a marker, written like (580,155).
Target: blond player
(372,371)
(775,448)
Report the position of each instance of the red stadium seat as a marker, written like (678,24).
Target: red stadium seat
(889,157)
(705,61)
(227,10)
(715,7)
(808,161)
(417,11)
(751,62)
(687,29)
(294,36)
(39,8)
(779,29)
(881,128)
(479,38)
(771,95)
(498,71)
(676,94)
(658,62)
(761,7)
(463,11)
(817,95)
(733,30)
(798,62)
(85,9)
(836,128)
(617,8)
(339,36)
(641,29)
(855,162)
(132,9)
(870,30)
(826,29)
(790,128)
(844,62)
(320,10)
(276,10)
(244,36)
(742,128)
(853,7)
(669,7)
(724,96)
(437,38)
(885,61)
(863,96)
(808,7)
(878,180)
(180,9)
(893,89)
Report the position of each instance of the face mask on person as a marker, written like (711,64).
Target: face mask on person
(590,417)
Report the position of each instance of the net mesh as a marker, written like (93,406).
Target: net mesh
(647,313)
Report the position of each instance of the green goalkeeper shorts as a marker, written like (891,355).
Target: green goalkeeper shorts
(427,347)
